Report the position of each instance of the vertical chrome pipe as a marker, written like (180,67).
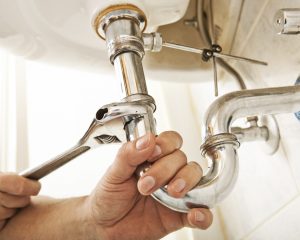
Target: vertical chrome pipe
(126,51)
(123,35)
(129,70)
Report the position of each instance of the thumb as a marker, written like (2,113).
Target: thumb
(130,156)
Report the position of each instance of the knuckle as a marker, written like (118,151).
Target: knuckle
(163,140)
(175,137)
(181,156)
(196,167)
(20,186)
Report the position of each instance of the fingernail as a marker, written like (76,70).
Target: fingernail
(143,142)
(199,216)
(179,185)
(146,184)
(157,151)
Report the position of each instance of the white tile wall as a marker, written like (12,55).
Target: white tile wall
(290,135)
(264,185)
(265,201)
(257,38)
(283,225)
(276,217)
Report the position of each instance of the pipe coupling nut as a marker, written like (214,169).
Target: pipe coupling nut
(125,43)
(215,141)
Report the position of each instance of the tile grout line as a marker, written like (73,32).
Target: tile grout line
(263,222)
(250,32)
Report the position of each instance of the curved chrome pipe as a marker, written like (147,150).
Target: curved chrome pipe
(216,187)
(220,146)
(266,101)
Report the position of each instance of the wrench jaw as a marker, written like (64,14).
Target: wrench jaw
(99,134)
(118,123)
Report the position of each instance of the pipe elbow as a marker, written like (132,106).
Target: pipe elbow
(220,145)
(214,186)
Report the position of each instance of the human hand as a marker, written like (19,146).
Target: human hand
(121,206)
(15,192)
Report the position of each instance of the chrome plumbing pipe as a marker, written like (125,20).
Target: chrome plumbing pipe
(122,30)
(220,145)
(251,133)
(129,71)
(126,49)
(266,101)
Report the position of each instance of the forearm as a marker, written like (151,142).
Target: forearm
(52,219)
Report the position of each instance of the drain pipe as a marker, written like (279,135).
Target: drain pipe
(122,25)
(220,144)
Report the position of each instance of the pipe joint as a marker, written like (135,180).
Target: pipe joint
(122,30)
(213,142)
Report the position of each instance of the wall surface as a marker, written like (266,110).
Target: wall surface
(265,203)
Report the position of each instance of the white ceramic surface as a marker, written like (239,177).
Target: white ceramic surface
(60,31)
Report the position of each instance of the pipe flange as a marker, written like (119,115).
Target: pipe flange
(217,140)
(271,145)
(115,12)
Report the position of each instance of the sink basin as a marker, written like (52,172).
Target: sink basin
(60,31)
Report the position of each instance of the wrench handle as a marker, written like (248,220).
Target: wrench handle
(45,168)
